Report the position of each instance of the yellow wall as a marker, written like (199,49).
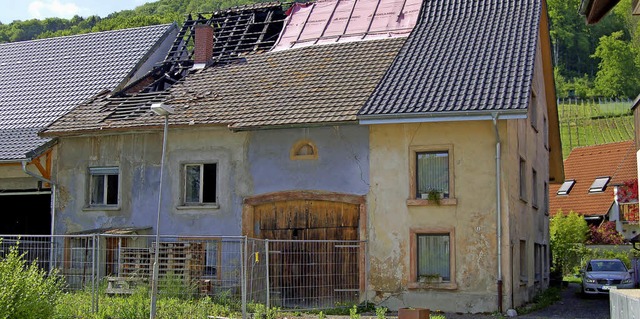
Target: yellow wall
(471,216)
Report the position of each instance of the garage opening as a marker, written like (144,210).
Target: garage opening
(25,213)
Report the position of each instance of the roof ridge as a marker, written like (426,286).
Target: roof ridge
(85,34)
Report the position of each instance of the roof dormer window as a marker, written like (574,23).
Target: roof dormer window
(599,185)
(566,187)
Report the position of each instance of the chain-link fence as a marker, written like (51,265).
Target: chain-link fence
(275,273)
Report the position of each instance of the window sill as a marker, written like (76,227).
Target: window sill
(100,208)
(198,207)
(426,202)
(426,285)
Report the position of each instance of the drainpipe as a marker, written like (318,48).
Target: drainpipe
(498,211)
(53,206)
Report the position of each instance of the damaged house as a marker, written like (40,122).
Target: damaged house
(431,134)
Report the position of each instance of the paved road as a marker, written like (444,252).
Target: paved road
(574,306)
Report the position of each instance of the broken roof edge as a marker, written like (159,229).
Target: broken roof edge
(172,27)
(136,128)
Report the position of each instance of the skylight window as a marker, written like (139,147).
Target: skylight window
(599,185)
(566,187)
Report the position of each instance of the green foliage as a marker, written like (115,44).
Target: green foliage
(353,312)
(261,311)
(380,312)
(617,71)
(26,290)
(321,315)
(568,234)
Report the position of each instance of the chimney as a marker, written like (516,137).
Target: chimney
(203,51)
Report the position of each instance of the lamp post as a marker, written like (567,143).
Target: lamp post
(163,110)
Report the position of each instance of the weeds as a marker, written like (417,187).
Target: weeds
(380,312)
(541,300)
(353,312)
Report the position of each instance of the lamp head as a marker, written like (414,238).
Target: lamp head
(161,109)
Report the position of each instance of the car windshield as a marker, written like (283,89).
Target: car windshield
(606,265)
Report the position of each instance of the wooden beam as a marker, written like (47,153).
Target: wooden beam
(304,195)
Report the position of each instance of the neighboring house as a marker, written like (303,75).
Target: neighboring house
(595,10)
(337,133)
(41,81)
(593,175)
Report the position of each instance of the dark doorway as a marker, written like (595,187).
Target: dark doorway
(25,214)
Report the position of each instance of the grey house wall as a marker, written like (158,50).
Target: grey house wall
(342,165)
(249,163)
(138,157)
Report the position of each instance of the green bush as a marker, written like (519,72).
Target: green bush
(26,290)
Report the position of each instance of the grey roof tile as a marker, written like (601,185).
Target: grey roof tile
(44,79)
(309,85)
(463,55)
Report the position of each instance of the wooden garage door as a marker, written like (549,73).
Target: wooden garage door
(309,266)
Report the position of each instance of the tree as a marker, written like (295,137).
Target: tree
(568,234)
(605,234)
(617,71)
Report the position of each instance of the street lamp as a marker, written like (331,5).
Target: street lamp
(162,110)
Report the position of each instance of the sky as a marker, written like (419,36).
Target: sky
(11,10)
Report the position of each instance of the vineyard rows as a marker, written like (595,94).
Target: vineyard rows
(593,122)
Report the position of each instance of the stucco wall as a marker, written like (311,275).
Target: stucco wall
(138,157)
(528,219)
(472,217)
(342,165)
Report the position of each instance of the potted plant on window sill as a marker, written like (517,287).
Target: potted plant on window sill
(434,195)
(430,278)
(413,313)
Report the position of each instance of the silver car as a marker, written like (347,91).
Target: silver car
(600,275)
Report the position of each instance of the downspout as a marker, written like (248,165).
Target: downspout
(53,206)
(498,211)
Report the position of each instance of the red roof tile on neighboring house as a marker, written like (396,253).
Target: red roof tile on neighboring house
(584,165)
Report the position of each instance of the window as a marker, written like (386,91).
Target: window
(433,256)
(212,257)
(545,262)
(80,253)
(523,261)
(200,184)
(534,188)
(432,173)
(103,186)
(566,187)
(523,180)
(534,111)
(599,185)
(304,150)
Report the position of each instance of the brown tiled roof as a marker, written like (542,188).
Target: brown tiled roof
(584,165)
(312,85)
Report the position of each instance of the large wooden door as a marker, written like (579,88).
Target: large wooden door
(309,265)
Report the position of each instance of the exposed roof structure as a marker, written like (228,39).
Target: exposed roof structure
(310,85)
(43,79)
(463,57)
(595,10)
(237,32)
(586,164)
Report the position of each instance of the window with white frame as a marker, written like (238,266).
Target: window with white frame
(201,183)
(432,173)
(104,186)
(211,258)
(80,252)
(433,256)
